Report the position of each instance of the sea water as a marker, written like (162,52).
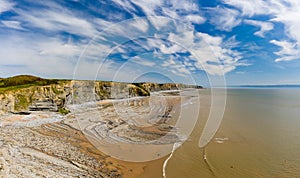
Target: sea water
(259,137)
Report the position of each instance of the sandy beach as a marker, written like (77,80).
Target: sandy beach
(50,140)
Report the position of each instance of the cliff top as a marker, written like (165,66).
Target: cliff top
(23,81)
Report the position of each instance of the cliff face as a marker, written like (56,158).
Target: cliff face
(56,96)
(51,96)
(166,86)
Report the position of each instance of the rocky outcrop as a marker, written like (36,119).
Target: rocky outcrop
(50,98)
(48,151)
(151,87)
(56,96)
(46,105)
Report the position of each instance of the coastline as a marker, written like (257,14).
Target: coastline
(39,129)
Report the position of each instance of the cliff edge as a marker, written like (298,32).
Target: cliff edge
(22,94)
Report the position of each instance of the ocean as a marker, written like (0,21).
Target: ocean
(259,137)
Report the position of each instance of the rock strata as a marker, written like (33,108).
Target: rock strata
(56,96)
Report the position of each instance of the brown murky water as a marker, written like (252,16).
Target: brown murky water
(259,137)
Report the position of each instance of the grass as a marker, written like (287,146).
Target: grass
(63,111)
(21,103)
(23,81)
(54,89)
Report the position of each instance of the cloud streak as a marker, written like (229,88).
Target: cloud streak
(289,51)
(5,6)
(264,27)
(224,18)
(180,37)
(285,12)
(12,24)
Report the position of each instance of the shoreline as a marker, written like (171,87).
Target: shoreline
(43,128)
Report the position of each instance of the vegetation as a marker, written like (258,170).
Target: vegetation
(23,81)
(63,111)
(21,102)
(56,91)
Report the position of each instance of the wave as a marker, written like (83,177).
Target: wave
(175,146)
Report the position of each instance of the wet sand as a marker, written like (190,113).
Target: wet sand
(51,141)
(259,137)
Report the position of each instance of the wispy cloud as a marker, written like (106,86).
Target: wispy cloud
(264,26)
(172,49)
(141,61)
(187,11)
(43,45)
(12,24)
(6,5)
(197,19)
(285,12)
(209,52)
(39,55)
(289,51)
(57,21)
(176,67)
(224,18)
(288,15)
(250,8)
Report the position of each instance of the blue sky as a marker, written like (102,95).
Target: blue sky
(243,41)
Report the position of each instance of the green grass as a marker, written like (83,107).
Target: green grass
(54,89)
(63,111)
(21,102)
(23,81)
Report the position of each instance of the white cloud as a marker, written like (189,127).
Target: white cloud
(184,5)
(171,49)
(264,26)
(176,67)
(251,7)
(54,20)
(289,51)
(283,11)
(124,4)
(224,18)
(53,56)
(209,52)
(187,11)
(158,22)
(132,28)
(144,62)
(12,24)
(101,24)
(58,48)
(140,24)
(6,5)
(148,6)
(289,16)
(25,50)
(185,38)
(195,19)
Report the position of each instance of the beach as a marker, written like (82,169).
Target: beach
(258,137)
(71,142)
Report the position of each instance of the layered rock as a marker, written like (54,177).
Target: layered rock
(56,96)
(46,98)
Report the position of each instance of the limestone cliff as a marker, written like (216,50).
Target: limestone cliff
(56,96)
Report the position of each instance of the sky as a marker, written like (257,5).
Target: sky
(207,42)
